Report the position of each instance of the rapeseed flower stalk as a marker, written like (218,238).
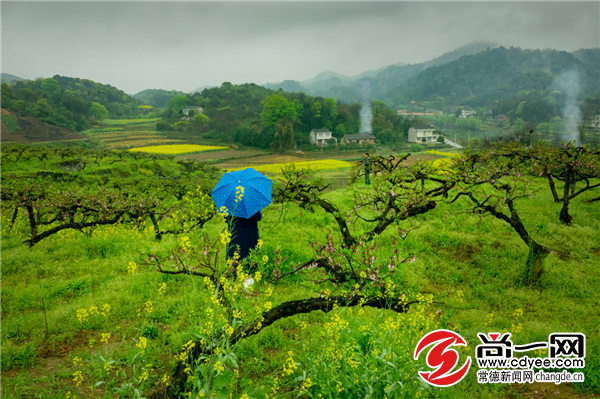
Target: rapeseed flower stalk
(517,328)
(109,366)
(149,307)
(104,337)
(239,193)
(305,386)
(225,237)
(218,367)
(490,317)
(84,315)
(162,288)
(78,378)
(131,268)
(145,374)
(142,343)
(186,244)
(105,310)
(289,366)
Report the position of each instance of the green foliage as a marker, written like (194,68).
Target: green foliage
(178,102)
(340,130)
(150,332)
(518,125)
(276,109)
(156,97)
(11,123)
(98,111)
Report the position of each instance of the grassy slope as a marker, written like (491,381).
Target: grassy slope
(455,251)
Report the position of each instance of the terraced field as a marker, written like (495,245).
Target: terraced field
(132,138)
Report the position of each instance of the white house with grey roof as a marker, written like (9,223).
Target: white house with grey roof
(321,136)
(196,108)
(422,134)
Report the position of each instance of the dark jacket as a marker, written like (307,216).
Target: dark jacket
(367,163)
(244,235)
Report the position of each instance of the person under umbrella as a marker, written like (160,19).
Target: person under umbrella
(242,195)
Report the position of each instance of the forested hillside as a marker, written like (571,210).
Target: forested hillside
(344,88)
(68,102)
(496,74)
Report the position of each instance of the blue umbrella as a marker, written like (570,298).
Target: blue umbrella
(256,192)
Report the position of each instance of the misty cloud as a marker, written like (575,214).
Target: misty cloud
(183,45)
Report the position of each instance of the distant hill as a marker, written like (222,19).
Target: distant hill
(495,74)
(201,88)
(345,88)
(7,78)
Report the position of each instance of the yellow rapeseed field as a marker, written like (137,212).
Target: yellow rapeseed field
(444,154)
(442,165)
(178,148)
(322,164)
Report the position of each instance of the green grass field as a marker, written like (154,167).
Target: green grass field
(80,320)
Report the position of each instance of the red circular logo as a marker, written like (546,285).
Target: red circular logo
(442,359)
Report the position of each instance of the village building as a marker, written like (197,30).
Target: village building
(321,136)
(596,122)
(195,108)
(466,113)
(362,138)
(411,115)
(422,134)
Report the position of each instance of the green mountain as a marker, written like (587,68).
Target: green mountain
(345,88)
(495,74)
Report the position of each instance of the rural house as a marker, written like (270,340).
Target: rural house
(321,136)
(465,113)
(196,108)
(596,121)
(362,138)
(422,134)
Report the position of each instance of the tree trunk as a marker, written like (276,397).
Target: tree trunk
(564,212)
(534,269)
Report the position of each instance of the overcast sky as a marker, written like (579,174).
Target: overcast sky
(183,45)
